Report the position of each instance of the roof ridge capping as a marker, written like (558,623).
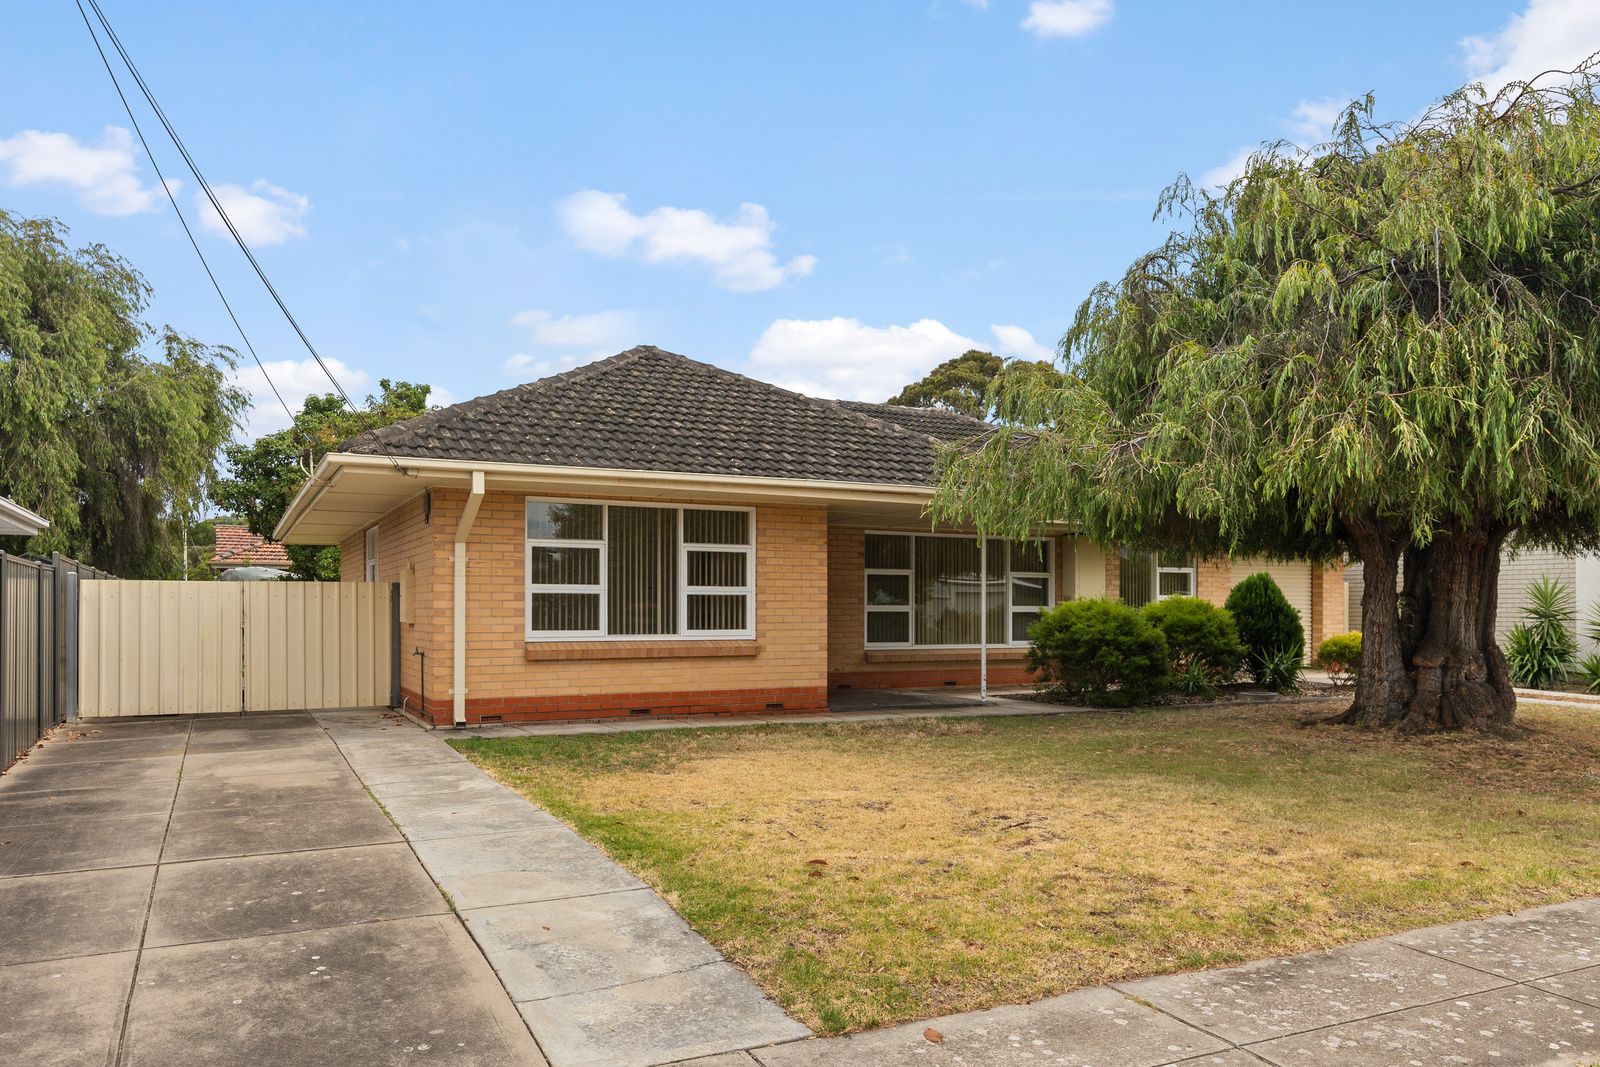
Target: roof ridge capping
(820,403)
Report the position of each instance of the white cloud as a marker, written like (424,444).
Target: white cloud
(598,329)
(1016,341)
(1067,18)
(106,175)
(1312,121)
(1233,167)
(1549,35)
(738,252)
(264,214)
(849,360)
(529,368)
(296,379)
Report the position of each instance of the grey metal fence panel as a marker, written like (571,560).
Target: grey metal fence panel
(38,647)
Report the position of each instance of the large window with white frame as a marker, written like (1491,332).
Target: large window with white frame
(622,571)
(924,590)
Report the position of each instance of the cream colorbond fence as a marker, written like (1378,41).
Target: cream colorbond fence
(198,648)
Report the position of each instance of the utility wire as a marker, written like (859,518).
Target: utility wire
(178,211)
(216,205)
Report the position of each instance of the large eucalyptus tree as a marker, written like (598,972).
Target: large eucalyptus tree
(1388,345)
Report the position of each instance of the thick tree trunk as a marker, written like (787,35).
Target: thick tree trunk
(1383,687)
(1458,673)
(1429,657)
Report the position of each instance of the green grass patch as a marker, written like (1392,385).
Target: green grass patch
(871,873)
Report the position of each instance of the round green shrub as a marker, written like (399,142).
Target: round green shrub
(1198,633)
(1100,651)
(1340,656)
(1268,624)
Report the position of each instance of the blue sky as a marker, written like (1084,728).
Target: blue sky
(831,196)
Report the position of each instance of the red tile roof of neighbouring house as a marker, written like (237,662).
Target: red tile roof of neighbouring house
(650,410)
(238,547)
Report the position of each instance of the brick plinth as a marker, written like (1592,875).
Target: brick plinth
(627,705)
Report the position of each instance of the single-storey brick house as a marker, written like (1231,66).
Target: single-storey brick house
(652,535)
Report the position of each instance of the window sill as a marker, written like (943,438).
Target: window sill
(943,655)
(556,651)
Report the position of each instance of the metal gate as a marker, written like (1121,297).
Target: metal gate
(197,648)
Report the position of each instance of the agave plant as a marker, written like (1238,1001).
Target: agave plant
(1540,650)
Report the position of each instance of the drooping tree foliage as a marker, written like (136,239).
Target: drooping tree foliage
(108,428)
(964,384)
(1389,345)
(266,473)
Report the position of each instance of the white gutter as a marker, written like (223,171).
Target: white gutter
(508,474)
(18,520)
(458,686)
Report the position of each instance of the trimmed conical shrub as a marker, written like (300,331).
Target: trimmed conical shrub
(1267,623)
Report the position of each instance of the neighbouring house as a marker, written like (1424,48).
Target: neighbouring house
(237,549)
(1518,570)
(652,535)
(18,521)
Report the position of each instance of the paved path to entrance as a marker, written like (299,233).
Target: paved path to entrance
(225,891)
(602,969)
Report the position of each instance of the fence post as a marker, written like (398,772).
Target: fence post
(7,735)
(394,644)
(40,705)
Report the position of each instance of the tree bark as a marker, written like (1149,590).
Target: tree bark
(1458,673)
(1429,656)
(1383,686)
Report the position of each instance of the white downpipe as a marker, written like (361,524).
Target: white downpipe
(983,618)
(458,685)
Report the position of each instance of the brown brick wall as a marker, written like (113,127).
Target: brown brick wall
(1329,614)
(1213,580)
(408,554)
(789,665)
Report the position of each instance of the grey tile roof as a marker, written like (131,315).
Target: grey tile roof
(645,409)
(932,422)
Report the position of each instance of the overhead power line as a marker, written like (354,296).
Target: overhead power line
(216,205)
(162,178)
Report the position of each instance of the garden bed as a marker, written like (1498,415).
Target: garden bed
(870,873)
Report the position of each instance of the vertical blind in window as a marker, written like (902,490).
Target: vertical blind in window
(641,566)
(1148,576)
(622,570)
(926,590)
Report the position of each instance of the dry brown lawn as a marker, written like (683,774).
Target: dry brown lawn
(872,873)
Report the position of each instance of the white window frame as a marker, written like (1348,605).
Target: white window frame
(1049,576)
(909,608)
(682,591)
(1191,570)
(370,560)
(747,590)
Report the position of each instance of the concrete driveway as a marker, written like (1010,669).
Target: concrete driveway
(226,891)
